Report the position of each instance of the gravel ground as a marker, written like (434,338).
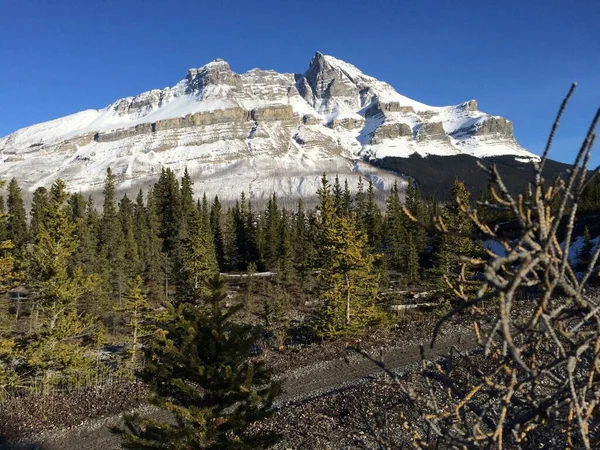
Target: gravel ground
(330,392)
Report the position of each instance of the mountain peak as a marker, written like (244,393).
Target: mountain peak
(216,65)
(251,125)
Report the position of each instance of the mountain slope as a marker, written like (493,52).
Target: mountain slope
(260,132)
(434,175)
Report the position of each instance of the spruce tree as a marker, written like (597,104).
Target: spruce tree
(196,263)
(135,310)
(326,207)
(38,206)
(346,200)
(16,223)
(272,230)
(338,196)
(372,219)
(131,253)
(155,267)
(167,196)
(111,239)
(448,248)
(231,252)
(303,244)
(395,231)
(349,281)
(189,212)
(200,369)
(77,207)
(53,348)
(217,231)
(285,266)
(360,204)
(2,220)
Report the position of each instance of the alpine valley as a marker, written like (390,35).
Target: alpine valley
(263,132)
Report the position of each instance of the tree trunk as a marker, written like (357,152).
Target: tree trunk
(135,337)
(347,300)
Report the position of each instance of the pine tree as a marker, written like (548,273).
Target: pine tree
(395,231)
(111,239)
(285,266)
(130,246)
(231,252)
(77,207)
(349,281)
(252,253)
(156,269)
(135,310)
(38,206)
(448,248)
(2,220)
(338,196)
(272,231)
(200,370)
(346,200)
(196,262)
(326,207)
(168,207)
(217,231)
(360,204)
(90,262)
(302,243)
(372,219)
(590,198)
(9,278)
(189,213)
(16,224)
(56,292)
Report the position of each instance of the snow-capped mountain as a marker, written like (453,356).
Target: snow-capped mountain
(258,132)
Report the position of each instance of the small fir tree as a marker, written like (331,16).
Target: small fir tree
(200,369)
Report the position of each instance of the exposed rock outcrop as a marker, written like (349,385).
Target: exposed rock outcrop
(390,131)
(379,107)
(274,112)
(489,127)
(431,131)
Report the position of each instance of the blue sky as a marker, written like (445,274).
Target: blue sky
(517,58)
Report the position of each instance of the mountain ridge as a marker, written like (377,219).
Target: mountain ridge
(260,131)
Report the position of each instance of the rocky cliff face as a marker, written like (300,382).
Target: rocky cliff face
(258,132)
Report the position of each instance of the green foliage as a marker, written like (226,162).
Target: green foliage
(54,346)
(168,208)
(111,239)
(38,206)
(196,263)
(449,247)
(217,232)
(135,311)
(350,284)
(372,220)
(200,369)
(16,224)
